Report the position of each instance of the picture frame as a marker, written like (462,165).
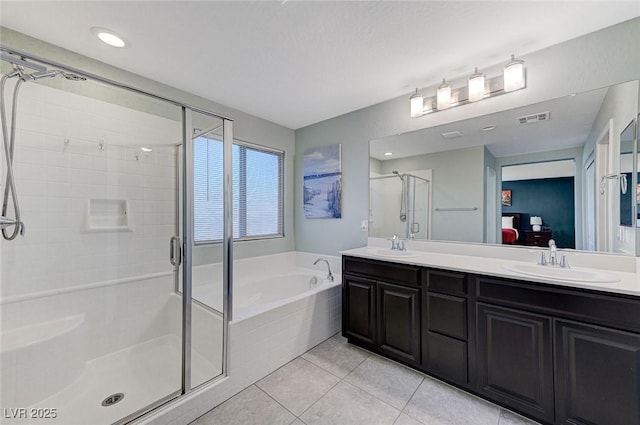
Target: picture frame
(506,198)
(322,182)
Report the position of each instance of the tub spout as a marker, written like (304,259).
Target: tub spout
(330,275)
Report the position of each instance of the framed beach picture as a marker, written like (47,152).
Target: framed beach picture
(506,198)
(322,174)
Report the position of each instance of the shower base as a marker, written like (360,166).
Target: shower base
(143,373)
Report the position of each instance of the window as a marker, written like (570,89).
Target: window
(257,191)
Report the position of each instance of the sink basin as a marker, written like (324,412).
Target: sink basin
(392,253)
(558,273)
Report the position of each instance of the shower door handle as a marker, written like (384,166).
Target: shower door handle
(175,251)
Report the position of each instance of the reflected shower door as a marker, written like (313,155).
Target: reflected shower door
(419,209)
(386,207)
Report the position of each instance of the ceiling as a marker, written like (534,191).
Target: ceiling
(296,62)
(569,125)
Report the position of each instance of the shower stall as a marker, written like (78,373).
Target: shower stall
(98,322)
(399,204)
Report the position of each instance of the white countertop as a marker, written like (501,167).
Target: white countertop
(628,282)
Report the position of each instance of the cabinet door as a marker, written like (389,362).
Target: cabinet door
(597,375)
(514,362)
(358,309)
(399,322)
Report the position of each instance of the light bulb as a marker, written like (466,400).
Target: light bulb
(476,86)
(443,96)
(417,104)
(514,75)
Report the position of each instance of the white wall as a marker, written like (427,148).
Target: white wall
(595,60)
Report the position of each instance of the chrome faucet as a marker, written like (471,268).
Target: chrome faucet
(553,253)
(394,242)
(553,257)
(330,275)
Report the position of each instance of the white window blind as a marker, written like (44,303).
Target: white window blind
(258,185)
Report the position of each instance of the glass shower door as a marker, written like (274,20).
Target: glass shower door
(90,319)
(202,232)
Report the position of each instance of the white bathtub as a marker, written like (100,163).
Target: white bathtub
(252,295)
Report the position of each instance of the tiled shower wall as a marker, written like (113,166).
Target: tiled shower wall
(70,149)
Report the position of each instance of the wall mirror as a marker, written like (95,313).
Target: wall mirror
(539,164)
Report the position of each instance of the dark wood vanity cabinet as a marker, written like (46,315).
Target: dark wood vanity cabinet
(381,307)
(559,355)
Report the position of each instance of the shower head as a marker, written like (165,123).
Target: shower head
(72,77)
(399,175)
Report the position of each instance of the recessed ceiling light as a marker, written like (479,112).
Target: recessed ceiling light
(109,37)
(388,153)
(488,127)
(144,149)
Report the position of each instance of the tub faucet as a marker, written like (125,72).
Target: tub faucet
(553,253)
(330,275)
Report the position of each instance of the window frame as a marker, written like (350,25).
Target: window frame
(281,195)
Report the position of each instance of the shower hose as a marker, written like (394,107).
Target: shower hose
(9,138)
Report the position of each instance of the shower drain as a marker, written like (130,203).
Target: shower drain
(112,399)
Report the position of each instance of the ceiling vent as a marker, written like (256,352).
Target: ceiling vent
(451,135)
(541,116)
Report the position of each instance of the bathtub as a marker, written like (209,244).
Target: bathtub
(278,314)
(253,295)
(283,306)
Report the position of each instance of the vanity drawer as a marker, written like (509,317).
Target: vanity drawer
(447,282)
(617,311)
(382,270)
(445,357)
(447,314)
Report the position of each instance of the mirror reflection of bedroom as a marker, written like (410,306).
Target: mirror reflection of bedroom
(538,204)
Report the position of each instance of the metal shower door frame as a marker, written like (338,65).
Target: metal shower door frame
(187,217)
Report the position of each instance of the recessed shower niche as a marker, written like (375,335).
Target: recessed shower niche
(108,215)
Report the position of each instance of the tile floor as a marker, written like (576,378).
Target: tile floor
(336,383)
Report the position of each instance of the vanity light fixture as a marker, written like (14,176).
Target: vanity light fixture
(109,37)
(478,87)
(443,96)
